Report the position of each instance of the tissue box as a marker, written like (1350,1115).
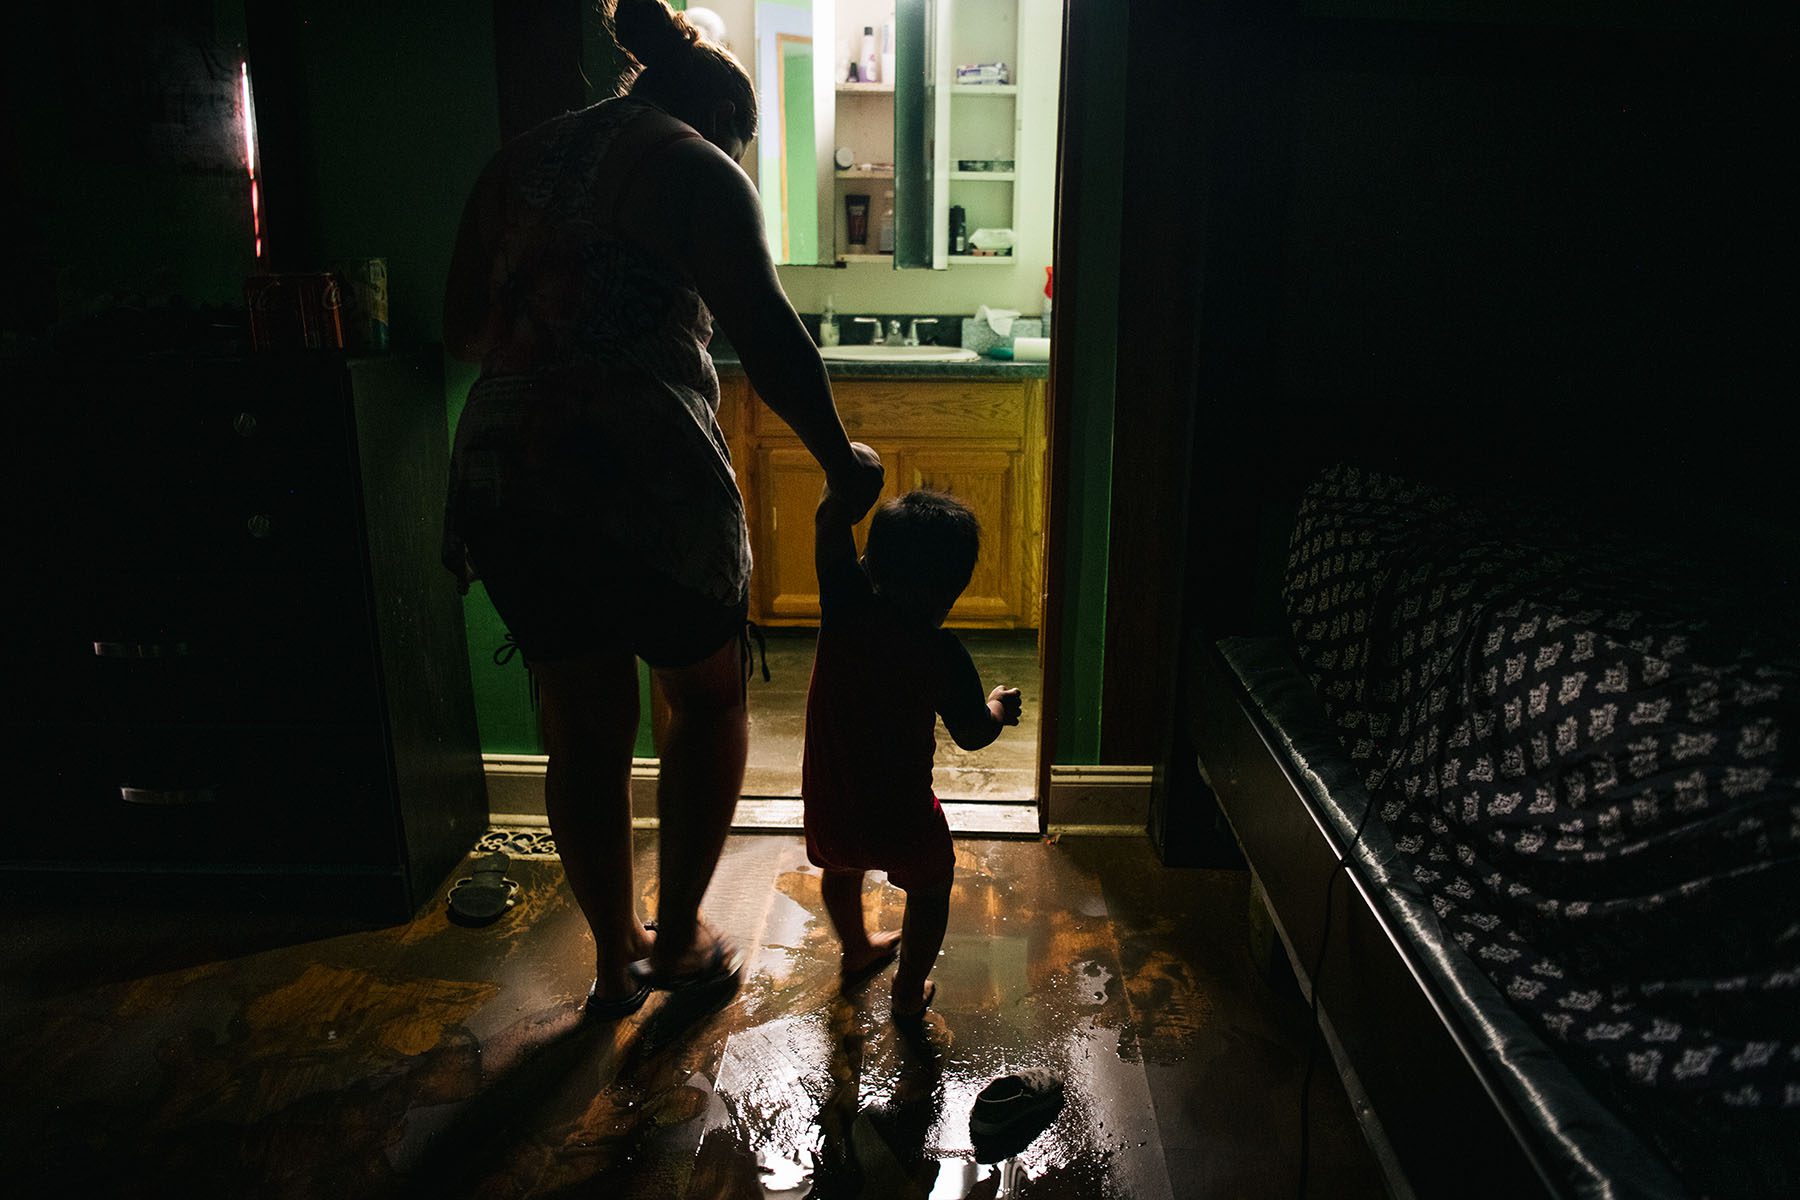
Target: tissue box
(979,335)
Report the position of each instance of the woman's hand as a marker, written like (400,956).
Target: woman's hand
(857,485)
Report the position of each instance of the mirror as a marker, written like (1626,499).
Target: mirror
(794,93)
(924,102)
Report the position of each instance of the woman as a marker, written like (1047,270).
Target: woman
(591,489)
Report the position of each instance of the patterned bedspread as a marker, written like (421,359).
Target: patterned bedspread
(1586,755)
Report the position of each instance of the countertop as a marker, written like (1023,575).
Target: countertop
(726,361)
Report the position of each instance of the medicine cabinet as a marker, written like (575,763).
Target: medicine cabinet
(926,135)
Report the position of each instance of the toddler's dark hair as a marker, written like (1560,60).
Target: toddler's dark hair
(922,546)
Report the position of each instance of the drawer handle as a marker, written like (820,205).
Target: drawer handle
(168,797)
(141,650)
(245,425)
(261,525)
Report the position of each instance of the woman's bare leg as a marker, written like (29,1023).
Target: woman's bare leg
(702,774)
(588,712)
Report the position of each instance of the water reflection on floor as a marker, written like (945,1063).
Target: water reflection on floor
(827,1094)
(235,1054)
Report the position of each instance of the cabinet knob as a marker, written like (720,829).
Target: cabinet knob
(245,424)
(260,525)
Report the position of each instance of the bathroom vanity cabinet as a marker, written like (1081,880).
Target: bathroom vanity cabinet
(981,439)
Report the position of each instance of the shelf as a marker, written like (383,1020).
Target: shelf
(984,176)
(866,258)
(982,260)
(859,173)
(983,89)
(871,89)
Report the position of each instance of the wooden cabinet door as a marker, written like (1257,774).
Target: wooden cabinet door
(989,482)
(787,483)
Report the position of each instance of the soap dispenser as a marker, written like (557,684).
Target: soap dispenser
(828,325)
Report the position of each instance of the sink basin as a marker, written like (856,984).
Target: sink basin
(924,354)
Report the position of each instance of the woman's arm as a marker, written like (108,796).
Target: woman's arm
(726,254)
(471,320)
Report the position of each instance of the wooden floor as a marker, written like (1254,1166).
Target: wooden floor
(1004,771)
(172,1052)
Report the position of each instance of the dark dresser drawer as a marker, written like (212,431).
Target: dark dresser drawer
(179,797)
(217,648)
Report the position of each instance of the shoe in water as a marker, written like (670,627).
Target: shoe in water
(1012,1110)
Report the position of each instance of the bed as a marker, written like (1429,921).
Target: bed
(1555,760)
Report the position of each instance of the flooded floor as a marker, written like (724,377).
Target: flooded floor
(158,1051)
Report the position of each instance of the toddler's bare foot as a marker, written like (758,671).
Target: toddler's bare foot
(910,1003)
(878,951)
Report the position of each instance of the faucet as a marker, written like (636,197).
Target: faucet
(875,339)
(912,334)
(894,334)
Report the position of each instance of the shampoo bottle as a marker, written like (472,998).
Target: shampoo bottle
(871,60)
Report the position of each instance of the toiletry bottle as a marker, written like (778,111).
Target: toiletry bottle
(1048,280)
(871,60)
(885,244)
(856,221)
(828,324)
(959,230)
(887,52)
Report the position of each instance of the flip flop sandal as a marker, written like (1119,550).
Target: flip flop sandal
(849,981)
(724,965)
(594,1009)
(486,893)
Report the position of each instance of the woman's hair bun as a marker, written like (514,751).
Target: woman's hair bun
(652,32)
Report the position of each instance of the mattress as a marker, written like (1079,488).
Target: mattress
(1580,749)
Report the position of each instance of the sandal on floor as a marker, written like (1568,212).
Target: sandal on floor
(915,1018)
(485,894)
(596,1009)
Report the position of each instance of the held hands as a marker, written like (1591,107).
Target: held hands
(857,488)
(1010,703)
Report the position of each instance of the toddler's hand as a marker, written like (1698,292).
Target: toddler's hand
(1010,704)
(858,492)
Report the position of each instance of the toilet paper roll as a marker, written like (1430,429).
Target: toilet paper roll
(1030,349)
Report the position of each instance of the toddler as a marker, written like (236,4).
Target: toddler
(885,670)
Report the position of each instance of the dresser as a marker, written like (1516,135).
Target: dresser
(236,665)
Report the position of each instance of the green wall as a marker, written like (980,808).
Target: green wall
(125,186)
(1094,338)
